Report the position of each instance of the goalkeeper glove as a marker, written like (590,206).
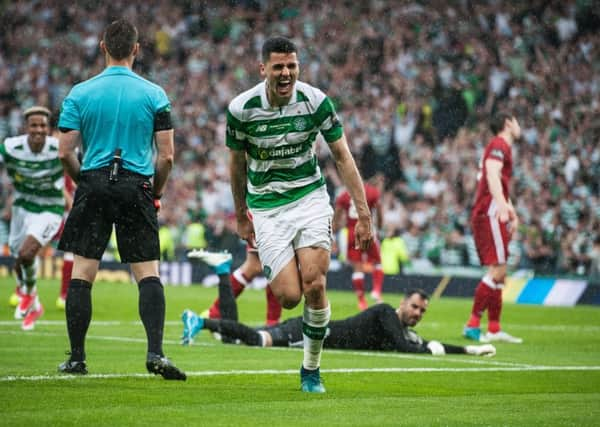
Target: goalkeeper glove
(481,350)
(436,348)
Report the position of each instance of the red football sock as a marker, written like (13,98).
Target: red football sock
(273,308)
(378,279)
(494,311)
(67,269)
(358,283)
(480,302)
(238,283)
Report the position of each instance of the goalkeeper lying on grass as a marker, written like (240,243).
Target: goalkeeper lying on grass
(380,327)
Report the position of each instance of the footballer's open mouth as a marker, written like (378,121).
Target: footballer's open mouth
(38,137)
(284,87)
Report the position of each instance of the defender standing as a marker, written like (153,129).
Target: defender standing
(494,220)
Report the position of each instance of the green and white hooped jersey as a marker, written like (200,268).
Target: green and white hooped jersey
(37,178)
(279,142)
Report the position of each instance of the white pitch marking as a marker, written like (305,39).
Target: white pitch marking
(382,354)
(430,325)
(96,337)
(94,323)
(13,378)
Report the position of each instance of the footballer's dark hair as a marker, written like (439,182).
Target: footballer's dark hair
(410,292)
(498,120)
(119,38)
(277,45)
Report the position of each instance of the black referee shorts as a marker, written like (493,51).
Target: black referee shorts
(98,204)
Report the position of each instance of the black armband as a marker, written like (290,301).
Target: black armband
(162,121)
(65,130)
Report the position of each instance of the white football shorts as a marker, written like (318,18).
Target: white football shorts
(42,226)
(301,224)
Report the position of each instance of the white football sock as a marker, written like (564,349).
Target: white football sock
(314,327)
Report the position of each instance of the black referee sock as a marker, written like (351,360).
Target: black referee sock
(151,306)
(235,330)
(78,310)
(227,304)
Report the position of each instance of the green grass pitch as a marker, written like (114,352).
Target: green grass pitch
(553,378)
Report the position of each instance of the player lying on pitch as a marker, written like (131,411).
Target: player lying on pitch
(380,327)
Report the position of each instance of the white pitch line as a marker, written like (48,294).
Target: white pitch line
(96,337)
(467,360)
(381,354)
(94,323)
(431,325)
(58,377)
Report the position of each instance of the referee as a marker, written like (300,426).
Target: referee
(121,120)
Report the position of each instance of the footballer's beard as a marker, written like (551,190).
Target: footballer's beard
(411,321)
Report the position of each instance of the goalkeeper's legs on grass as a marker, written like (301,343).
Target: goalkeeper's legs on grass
(228,328)
(225,304)
(242,277)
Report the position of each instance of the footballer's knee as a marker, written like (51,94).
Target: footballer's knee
(288,298)
(289,301)
(28,251)
(498,273)
(498,276)
(25,257)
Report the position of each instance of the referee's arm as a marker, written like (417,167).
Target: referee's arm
(164,160)
(68,140)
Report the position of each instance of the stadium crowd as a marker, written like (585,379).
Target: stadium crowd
(414,83)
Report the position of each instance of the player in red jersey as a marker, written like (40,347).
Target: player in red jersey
(240,278)
(493,220)
(344,208)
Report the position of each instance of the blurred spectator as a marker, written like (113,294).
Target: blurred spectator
(538,249)
(194,234)
(167,242)
(595,259)
(394,254)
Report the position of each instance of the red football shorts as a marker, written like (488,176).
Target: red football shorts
(372,255)
(491,239)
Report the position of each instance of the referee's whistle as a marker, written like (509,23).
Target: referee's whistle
(114,167)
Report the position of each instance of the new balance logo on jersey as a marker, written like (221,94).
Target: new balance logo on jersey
(262,128)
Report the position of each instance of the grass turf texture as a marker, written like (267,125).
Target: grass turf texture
(551,379)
